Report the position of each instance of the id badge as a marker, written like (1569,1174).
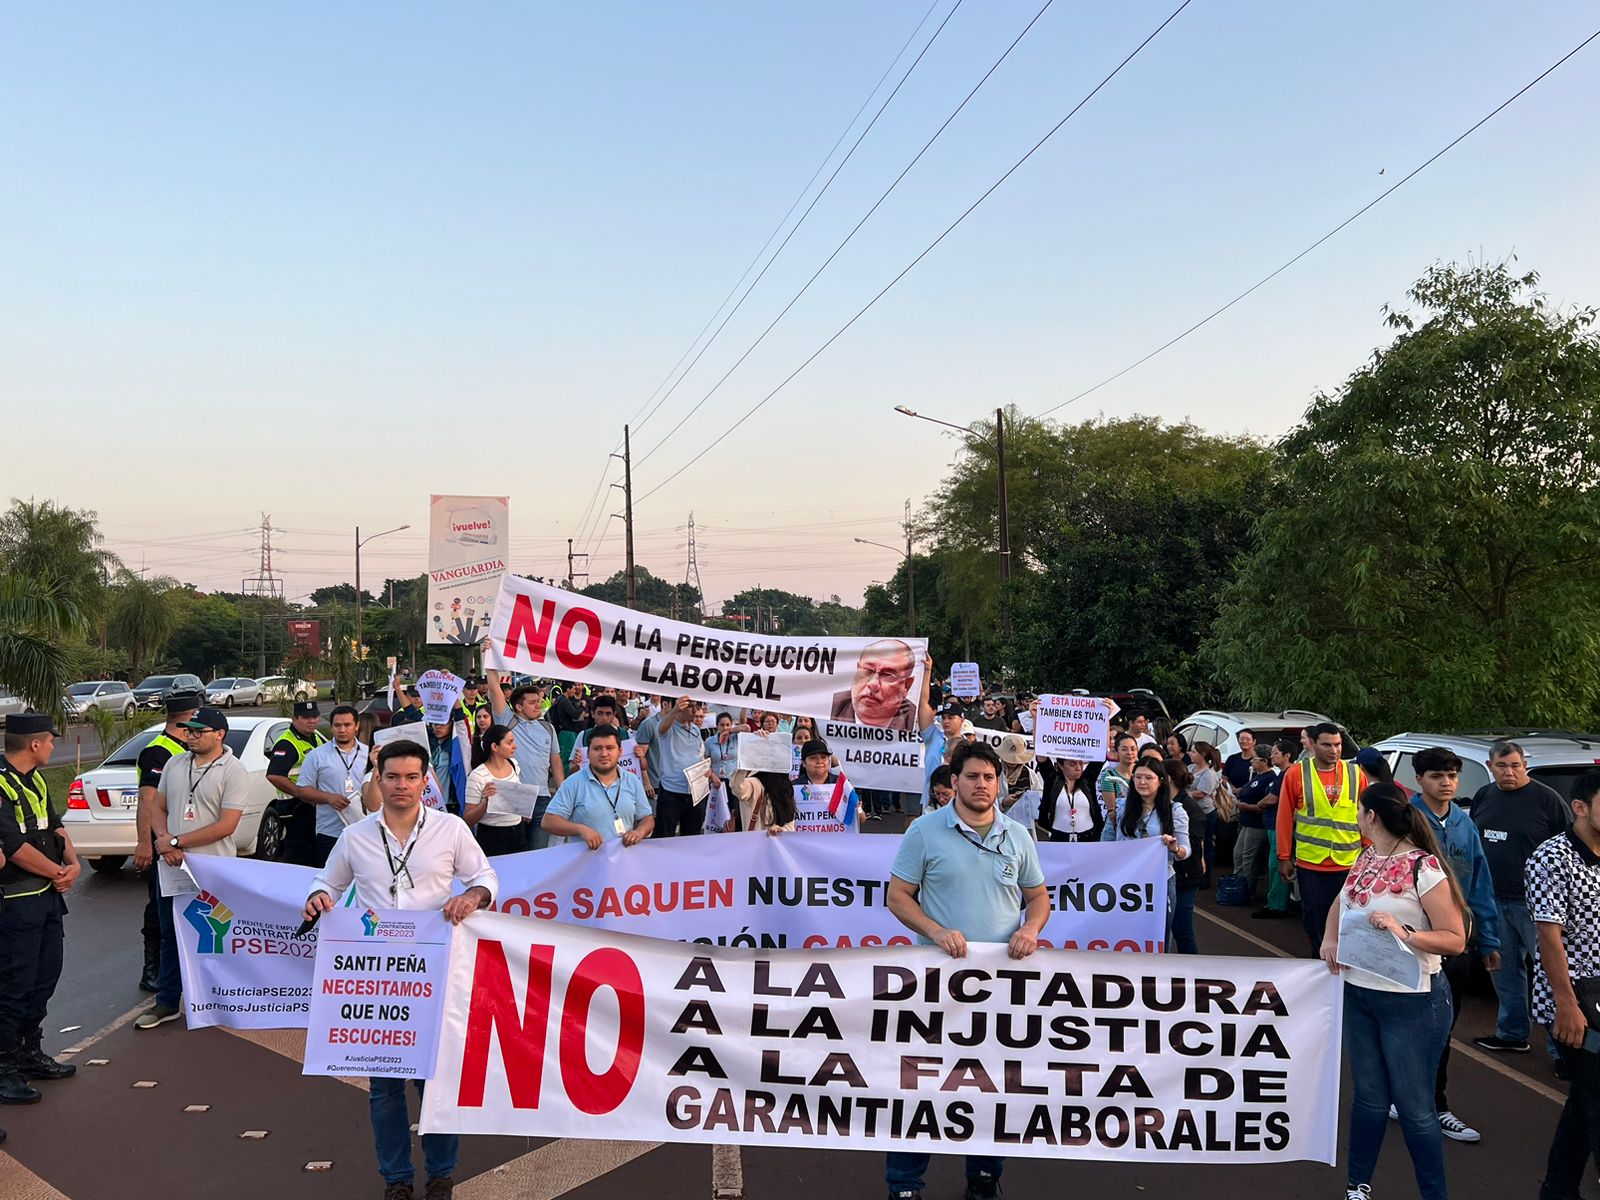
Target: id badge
(619,826)
(349,786)
(189,813)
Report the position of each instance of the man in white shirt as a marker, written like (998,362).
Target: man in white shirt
(404,857)
(1139,727)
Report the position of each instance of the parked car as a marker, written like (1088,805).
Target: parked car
(283,687)
(153,690)
(112,695)
(231,690)
(1222,729)
(102,804)
(1555,757)
(10,704)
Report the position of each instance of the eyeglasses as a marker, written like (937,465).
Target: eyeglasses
(888,678)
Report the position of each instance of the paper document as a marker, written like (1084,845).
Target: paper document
(175,881)
(698,774)
(757,753)
(1377,951)
(511,796)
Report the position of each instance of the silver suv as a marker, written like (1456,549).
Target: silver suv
(1555,757)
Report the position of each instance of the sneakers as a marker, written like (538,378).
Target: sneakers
(1457,1130)
(1501,1045)
(440,1188)
(905,1196)
(982,1186)
(399,1191)
(1394,1113)
(1358,1191)
(1269,914)
(156,1014)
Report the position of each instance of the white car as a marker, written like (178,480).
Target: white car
(283,687)
(101,816)
(110,694)
(231,690)
(1221,729)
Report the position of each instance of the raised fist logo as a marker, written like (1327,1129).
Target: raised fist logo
(211,919)
(369,923)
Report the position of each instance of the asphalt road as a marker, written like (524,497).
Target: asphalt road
(254,1083)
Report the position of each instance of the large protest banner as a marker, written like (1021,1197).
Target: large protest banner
(546,631)
(467,541)
(1140,1058)
(744,890)
(887,759)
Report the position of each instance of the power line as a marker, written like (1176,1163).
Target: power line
(777,229)
(909,267)
(1362,211)
(837,250)
(887,100)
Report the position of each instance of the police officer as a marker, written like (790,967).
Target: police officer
(472,699)
(283,770)
(166,745)
(40,868)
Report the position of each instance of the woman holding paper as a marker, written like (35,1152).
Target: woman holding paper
(499,830)
(1387,934)
(766,800)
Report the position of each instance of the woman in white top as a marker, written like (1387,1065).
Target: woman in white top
(1205,763)
(1072,815)
(1394,1031)
(499,830)
(766,800)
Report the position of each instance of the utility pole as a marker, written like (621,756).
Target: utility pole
(911,576)
(569,564)
(627,507)
(1000,466)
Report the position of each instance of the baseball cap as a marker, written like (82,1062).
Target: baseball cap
(306,708)
(814,746)
(951,710)
(207,718)
(32,722)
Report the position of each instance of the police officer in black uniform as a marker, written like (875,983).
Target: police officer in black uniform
(165,746)
(40,868)
(283,773)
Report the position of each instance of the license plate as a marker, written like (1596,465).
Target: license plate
(130,797)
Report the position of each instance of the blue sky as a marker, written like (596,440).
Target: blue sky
(320,261)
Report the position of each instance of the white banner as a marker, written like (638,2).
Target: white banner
(746,890)
(550,632)
(1158,1059)
(1073,727)
(440,692)
(468,538)
(887,759)
(376,996)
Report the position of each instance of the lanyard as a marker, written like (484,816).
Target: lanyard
(194,783)
(350,763)
(616,815)
(397,869)
(998,851)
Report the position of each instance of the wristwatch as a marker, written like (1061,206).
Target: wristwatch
(173,842)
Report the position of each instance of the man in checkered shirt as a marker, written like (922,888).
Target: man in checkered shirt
(1563,881)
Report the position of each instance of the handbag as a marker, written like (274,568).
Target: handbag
(1588,991)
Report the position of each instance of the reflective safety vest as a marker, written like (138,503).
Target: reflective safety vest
(1325,827)
(170,744)
(302,747)
(32,810)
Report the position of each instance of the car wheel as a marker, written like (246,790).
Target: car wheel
(270,835)
(108,864)
(227,701)
(301,695)
(127,711)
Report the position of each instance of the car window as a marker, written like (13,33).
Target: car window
(1561,778)
(1475,775)
(1406,776)
(127,754)
(119,689)
(236,740)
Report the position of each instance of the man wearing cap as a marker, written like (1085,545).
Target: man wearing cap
(197,809)
(330,778)
(410,711)
(40,868)
(172,741)
(283,772)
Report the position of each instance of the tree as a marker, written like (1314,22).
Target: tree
(339,593)
(652,594)
(40,539)
(208,634)
(142,616)
(1431,557)
(35,614)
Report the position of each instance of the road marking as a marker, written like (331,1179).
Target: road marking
(727,1173)
(105,1031)
(552,1170)
(1456,1044)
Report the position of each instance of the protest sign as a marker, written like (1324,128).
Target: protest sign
(758,753)
(740,889)
(1073,726)
(440,692)
(375,993)
(242,965)
(888,759)
(826,808)
(1156,1059)
(547,631)
(467,540)
(417,735)
(965,681)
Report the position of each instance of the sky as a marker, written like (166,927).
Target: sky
(320,261)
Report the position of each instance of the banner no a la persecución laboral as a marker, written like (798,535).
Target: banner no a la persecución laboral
(546,631)
(559,1031)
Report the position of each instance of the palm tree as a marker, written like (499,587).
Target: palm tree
(142,615)
(35,613)
(411,618)
(40,539)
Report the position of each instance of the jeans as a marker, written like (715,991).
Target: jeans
(1277,885)
(169,979)
(1518,944)
(1319,892)
(903,1171)
(325,844)
(1248,852)
(1183,921)
(1393,1041)
(541,839)
(1577,1137)
(677,814)
(391,1134)
(1457,969)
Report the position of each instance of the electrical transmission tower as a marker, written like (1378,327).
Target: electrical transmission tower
(691,576)
(264,586)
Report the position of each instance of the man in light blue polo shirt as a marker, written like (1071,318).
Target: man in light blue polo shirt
(330,778)
(966,872)
(538,746)
(677,746)
(601,801)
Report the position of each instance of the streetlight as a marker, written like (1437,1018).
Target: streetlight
(360,542)
(911,576)
(999,444)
